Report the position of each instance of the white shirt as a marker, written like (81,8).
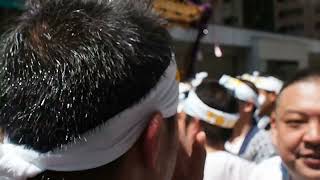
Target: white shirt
(222,165)
(263,122)
(235,146)
(260,147)
(270,169)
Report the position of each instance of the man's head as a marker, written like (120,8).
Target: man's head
(267,101)
(217,97)
(216,107)
(269,88)
(245,92)
(296,127)
(248,107)
(71,70)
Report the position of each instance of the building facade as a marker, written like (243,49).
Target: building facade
(297,17)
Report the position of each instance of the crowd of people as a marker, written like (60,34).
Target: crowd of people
(89,91)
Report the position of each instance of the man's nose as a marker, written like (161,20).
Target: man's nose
(312,134)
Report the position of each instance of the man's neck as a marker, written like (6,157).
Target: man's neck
(267,110)
(214,148)
(241,128)
(131,165)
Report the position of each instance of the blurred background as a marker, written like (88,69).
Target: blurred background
(232,37)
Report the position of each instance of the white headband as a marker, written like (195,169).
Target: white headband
(102,146)
(240,89)
(193,106)
(185,87)
(199,77)
(249,77)
(269,83)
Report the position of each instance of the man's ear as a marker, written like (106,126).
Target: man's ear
(273,97)
(248,107)
(151,143)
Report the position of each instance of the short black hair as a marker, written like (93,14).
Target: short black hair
(306,74)
(69,66)
(216,135)
(218,97)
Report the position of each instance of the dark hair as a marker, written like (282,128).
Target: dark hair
(218,97)
(307,74)
(69,66)
(216,135)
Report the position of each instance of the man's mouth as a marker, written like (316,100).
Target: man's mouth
(311,160)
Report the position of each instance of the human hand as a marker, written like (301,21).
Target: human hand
(191,153)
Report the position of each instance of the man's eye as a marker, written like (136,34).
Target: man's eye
(295,122)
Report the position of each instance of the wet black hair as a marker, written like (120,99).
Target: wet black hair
(218,97)
(68,66)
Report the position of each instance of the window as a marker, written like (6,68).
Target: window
(317,9)
(282,68)
(230,20)
(291,13)
(317,26)
(294,29)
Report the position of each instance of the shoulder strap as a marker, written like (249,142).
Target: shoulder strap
(253,131)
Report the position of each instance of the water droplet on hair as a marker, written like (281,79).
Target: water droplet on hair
(47,35)
(42,102)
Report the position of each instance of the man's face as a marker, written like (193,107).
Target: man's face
(297,129)
(267,104)
(263,95)
(245,109)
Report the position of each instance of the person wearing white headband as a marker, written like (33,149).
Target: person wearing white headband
(88,91)
(269,88)
(247,140)
(296,131)
(217,109)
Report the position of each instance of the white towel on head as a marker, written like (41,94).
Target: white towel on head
(269,83)
(99,147)
(241,90)
(193,106)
